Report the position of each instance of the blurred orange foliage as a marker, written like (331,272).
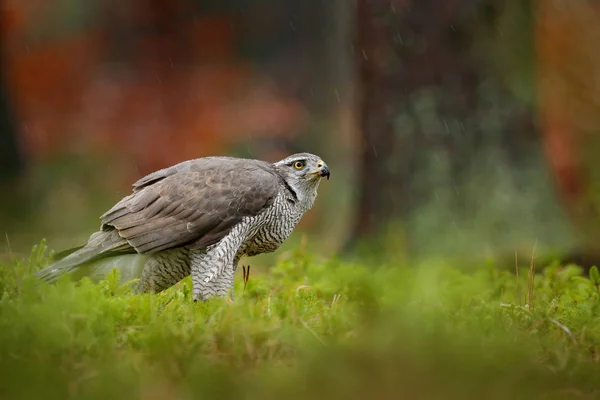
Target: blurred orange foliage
(164,103)
(567,37)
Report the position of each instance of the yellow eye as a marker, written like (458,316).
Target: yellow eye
(299,164)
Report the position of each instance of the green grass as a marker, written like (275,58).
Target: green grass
(309,328)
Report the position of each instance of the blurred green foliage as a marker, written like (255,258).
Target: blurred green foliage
(310,328)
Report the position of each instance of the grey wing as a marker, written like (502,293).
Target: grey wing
(156,176)
(197,165)
(191,206)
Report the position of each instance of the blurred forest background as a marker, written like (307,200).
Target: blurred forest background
(453,128)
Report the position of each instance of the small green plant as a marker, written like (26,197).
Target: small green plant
(595,276)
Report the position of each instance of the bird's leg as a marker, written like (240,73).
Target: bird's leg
(223,284)
(212,271)
(202,288)
(228,277)
(246,275)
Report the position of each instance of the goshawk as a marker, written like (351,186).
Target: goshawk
(198,217)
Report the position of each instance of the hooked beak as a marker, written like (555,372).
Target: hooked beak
(324,171)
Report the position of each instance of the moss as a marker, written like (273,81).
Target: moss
(308,328)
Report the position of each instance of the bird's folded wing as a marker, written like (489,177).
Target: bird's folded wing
(191,206)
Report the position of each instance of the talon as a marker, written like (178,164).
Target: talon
(246,275)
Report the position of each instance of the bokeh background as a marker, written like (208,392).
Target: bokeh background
(453,128)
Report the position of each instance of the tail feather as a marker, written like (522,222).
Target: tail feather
(62,254)
(101,245)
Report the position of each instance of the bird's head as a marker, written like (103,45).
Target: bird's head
(302,170)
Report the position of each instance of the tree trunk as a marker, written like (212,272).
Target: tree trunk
(11,157)
(11,161)
(422,91)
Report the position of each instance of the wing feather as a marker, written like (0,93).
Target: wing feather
(196,201)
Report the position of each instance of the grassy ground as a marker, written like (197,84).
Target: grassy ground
(310,328)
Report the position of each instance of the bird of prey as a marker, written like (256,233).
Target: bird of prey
(197,217)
